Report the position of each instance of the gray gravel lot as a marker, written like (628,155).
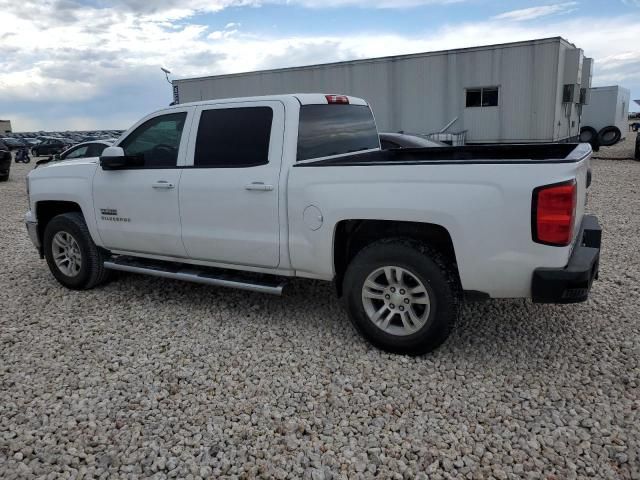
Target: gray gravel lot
(153,378)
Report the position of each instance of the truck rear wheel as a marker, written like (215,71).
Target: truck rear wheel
(402,295)
(74,260)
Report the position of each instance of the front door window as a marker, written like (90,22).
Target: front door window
(156,142)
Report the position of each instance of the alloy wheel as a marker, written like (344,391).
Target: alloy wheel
(396,301)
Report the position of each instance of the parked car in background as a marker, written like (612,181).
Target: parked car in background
(13,143)
(31,142)
(85,150)
(5,162)
(389,141)
(49,146)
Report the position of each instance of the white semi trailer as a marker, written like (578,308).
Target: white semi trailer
(521,92)
(606,117)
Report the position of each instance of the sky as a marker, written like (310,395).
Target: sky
(95,64)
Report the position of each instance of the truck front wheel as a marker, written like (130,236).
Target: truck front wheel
(74,260)
(402,295)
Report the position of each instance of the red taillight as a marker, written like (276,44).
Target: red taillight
(554,210)
(337,99)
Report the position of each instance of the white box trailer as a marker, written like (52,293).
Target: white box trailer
(606,115)
(516,92)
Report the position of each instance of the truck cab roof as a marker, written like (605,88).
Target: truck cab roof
(302,98)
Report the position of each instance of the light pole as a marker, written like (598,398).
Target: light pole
(173,87)
(166,74)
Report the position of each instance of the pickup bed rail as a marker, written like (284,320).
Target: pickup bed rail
(473,154)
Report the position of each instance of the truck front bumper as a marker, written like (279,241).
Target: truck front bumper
(572,283)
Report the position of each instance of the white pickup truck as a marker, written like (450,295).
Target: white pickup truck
(248,192)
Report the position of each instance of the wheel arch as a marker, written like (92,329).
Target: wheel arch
(351,236)
(46,210)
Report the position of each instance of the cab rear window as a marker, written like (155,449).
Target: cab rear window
(327,130)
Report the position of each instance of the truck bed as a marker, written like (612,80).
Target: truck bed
(473,154)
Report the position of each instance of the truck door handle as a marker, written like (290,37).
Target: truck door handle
(259,186)
(163,184)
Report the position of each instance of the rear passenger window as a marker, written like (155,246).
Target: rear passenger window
(234,137)
(327,130)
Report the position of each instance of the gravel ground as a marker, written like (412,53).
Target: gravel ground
(153,378)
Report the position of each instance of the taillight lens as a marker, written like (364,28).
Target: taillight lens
(337,99)
(554,213)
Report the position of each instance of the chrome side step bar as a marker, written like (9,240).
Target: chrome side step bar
(221,278)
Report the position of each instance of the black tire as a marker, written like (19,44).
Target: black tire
(588,135)
(4,178)
(431,268)
(637,152)
(92,271)
(609,136)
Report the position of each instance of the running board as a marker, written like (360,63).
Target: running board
(192,273)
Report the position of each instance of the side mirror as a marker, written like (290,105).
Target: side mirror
(114,158)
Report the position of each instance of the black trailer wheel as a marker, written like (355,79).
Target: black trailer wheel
(588,135)
(609,136)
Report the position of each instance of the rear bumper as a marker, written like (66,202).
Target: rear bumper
(572,283)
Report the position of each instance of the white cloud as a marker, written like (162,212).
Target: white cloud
(537,12)
(365,3)
(86,56)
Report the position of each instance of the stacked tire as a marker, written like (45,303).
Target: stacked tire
(606,137)
(588,135)
(609,136)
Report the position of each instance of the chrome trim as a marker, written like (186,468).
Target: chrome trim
(195,277)
(338,155)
